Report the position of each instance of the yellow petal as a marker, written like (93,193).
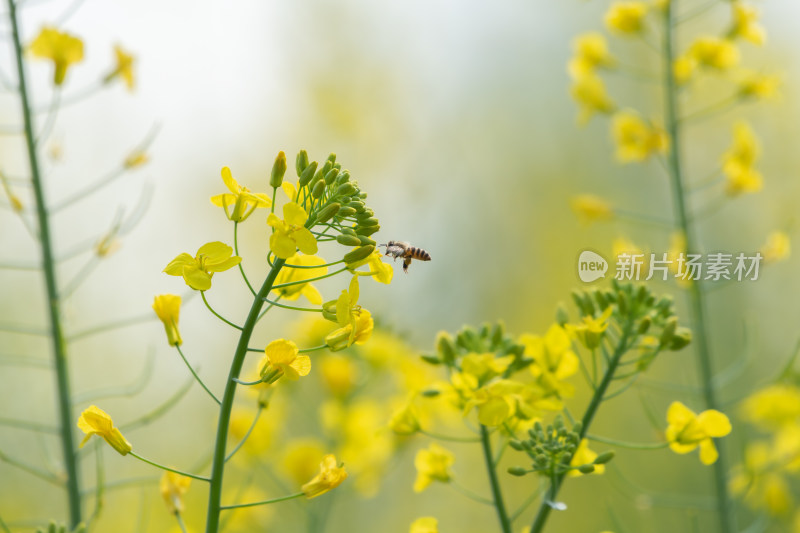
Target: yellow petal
(714,423)
(281,352)
(175,267)
(281,245)
(230,183)
(294,214)
(301,365)
(222,266)
(679,415)
(708,452)
(274,221)
(196,278)
(215,251)
(289,190)
(305,241)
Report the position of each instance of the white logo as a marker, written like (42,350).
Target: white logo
(591,266)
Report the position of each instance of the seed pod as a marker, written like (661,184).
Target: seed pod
(328,212)
(348,240)
(358,254)
(318,189)
(301,162)
(307,174)
(278,170)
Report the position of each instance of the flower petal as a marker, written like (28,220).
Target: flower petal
(281,245)
(175,267)
(281,351)
(215,251)
(294,214)
(714,423)
(196,278)
(708,452)
(230,183)
(305,241)
(224,265)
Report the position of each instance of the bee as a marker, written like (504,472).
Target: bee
(406,251)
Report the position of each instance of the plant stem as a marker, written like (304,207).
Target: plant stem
(218,467)
(696,295)
(497,495)
(66,420)
(588,417)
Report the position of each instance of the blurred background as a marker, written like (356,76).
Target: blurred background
(456,118)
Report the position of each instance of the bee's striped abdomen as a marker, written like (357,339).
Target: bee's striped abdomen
(418,253)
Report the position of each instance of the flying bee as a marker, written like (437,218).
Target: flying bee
(406,251)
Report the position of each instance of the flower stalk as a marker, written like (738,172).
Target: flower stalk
(695,290)
(63,394)
(218,466)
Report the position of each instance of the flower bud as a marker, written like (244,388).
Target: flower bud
(516,444)
(445,347)
(644,325)
(372,221)
(278,170)
(366,240)
(669,331)
(431,393)
(346,211)
(586,469)
(562,316)
(358,205)
(331,158)
(167,308)
(604,457)
(307,174)
(431,359)
(301,162)
(345,189)
(517,471)
(348,231)
(348,240)
(367,231)
(343,177)
(358,254)
(330,177)
(318,189)
(328,212)
(681,339)
(365,214)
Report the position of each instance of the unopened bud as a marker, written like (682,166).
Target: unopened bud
(348,240)
(681,339)
(586,469)
(278,170)
(669,331)
(328,212)
(330,177)
(445,347)
(345,189)
(517,471)
(346,212)
(318,189)
(301,162)
(358,254)
(307,174)
(372,221)
(367,231)
(343,177)
(431,359)
(604,457)
(562,316)
(644,325)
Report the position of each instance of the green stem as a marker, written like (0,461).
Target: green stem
(196,377)
(497,495)
(66,420)
(696,296)
(231,324)
(218,466)
(263,502)
(168,469)
(628,445)
(588,417)
(236,251)
(448,438)
(246,435)
(276,304)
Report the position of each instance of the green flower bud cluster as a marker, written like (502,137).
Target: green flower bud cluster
(552,450)
(650,318)
(470,340)
(337,201)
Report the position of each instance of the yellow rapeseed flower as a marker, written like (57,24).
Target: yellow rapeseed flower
(714,52)
(296,275)
(339,374)
(760,480)
(626,17)
(173,486)
(590,331)
(774,406)
(738,163)
(635,138)
(589,91)
(198,270)
(61,48)
(584,456)
(590,208)
(301,459)
(331,474)
(758,86)
(591,52)
(405,421)
(425,524)
(243,201)
(95,421)
(777,247)
(745,24)
(168,308)
(379,270)
(553,358)
(123,68)
(290,233)
(357,332)
(432,465)
(687,431)
(283,359)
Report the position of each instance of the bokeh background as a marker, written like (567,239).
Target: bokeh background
(455,117)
